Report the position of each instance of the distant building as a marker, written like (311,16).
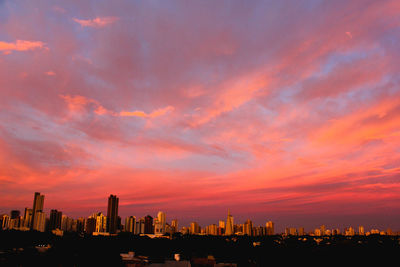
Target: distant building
(161,216)
(301,231)
(27,218)
(248,227)
(350,231)
(139,228)
(39,222)
(55,220)
(317,232)
(5,221)
(148,225)
(174,225)
(229,224)
(194,228)
(15,214)
(361,230)
(100,222)
(90,225)
(323,229)
(130,223)
(270,228)
(112,214)
(80,225)
(212,229)
(38,202)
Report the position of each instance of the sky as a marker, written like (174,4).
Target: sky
(278,110)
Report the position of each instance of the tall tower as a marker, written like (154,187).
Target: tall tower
(38,202)
(229,224)
(112,214)
(161,220)
(270,228)
(174,225)
(55,219)
(148,225)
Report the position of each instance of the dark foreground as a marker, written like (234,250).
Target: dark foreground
(20,249)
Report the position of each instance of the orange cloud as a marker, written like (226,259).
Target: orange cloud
(77,102)
(98,22)
(139,113)
(50,73)
(21,45)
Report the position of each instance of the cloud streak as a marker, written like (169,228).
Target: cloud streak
(98,22)
(21,45)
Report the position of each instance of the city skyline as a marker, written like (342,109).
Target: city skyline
(286,111)
(113,223)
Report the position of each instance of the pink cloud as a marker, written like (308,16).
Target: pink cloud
(98,22)
(142,114)
(21,45)
(50,73)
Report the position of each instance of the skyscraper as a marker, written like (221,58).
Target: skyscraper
(38,202)
(101,222)
(229,224)
(361,230)
(55,220)
(148,225)
(248,227)
(15,214)
(194,228)
(130,223)
(162,221)
(112,214)
(270,228)
(39,221)
(27,218)
(174,225)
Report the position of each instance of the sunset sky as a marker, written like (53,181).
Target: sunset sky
(279,110)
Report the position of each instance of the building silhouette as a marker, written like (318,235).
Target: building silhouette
(38,202)
(270,228)
(55,220)
(148,225)
(112,214)
(161,221)
(229,224)
(15,214)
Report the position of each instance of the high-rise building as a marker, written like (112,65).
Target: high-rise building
(212,229)
(248,227)
(361,230)
(90,225)
(323,230)
(229,224)
(15,214)
(174,226)
(194,228)
(100,222)
(301,231)
(148,225)
(38,202)
(39,222)
(318,232)
(270,228)
(27,218)
(350,231)
(112,214)
(139,228)
(55,220)
(162,221)
(5,222)
(80,225)
(130,223)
